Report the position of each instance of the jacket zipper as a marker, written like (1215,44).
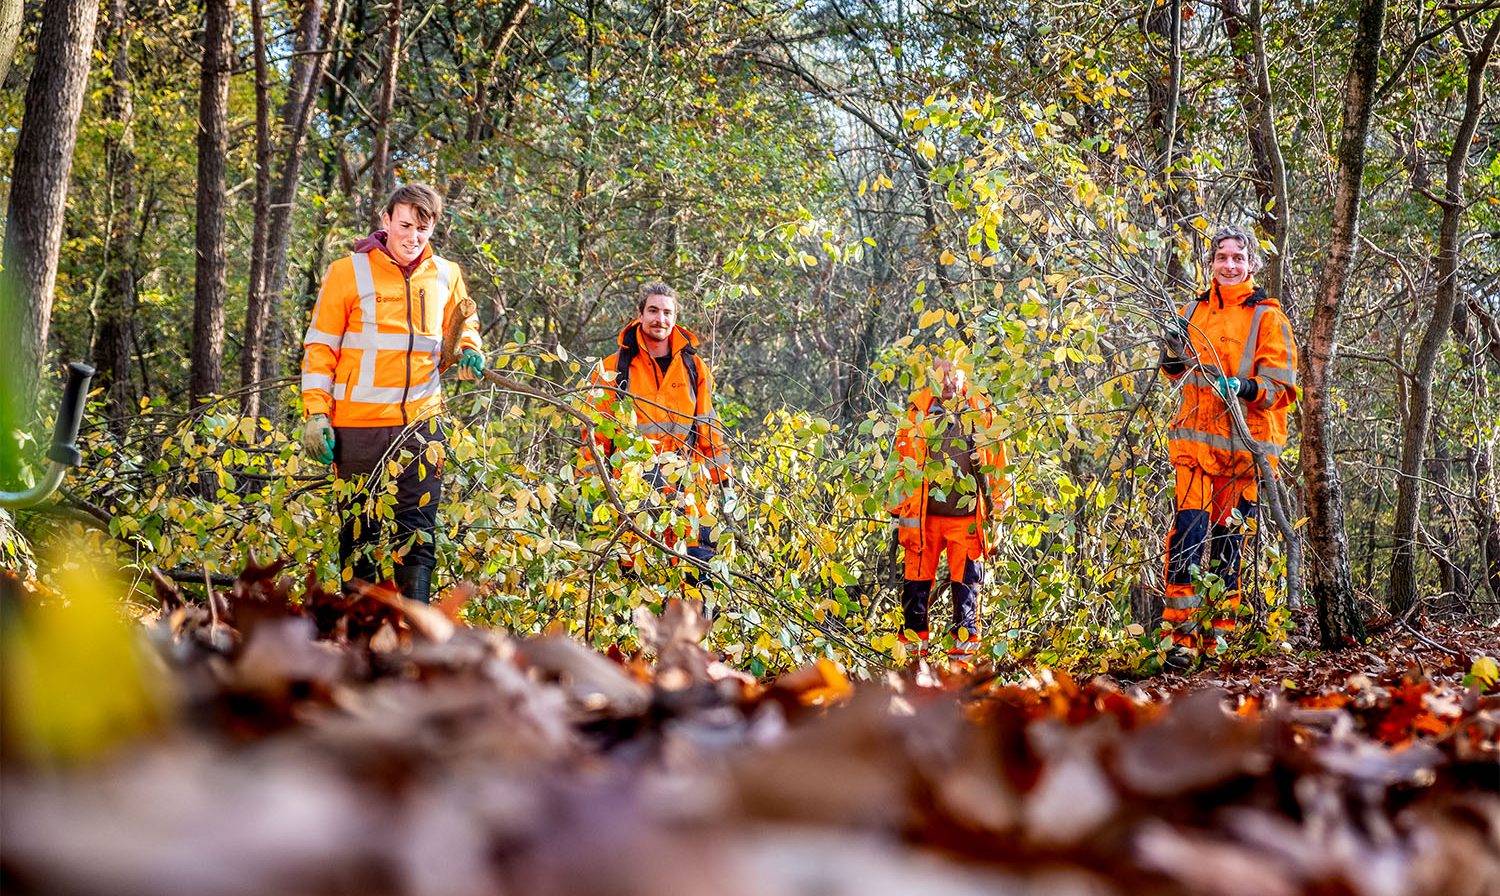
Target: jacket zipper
(411,344)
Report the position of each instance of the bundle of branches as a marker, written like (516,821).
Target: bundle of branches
(370,745)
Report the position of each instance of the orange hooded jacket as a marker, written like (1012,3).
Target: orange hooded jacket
(1243,332)
(664,407)
(370,355)
(913,446)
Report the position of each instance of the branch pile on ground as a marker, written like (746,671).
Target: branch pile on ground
(372,746)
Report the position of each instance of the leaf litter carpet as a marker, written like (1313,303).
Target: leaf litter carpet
(374,747)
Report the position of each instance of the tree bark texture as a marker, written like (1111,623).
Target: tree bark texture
(1403,585)
(40,170)
(213,140)
(380,174)
(1247,32)
(115,301)
(1339,619)
(11,17)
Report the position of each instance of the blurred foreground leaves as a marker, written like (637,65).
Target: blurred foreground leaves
(321,744)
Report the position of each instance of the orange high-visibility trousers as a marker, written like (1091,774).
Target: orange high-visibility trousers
(958,538)
(1205,513)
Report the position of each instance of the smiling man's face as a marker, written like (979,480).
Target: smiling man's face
(406,234)
(658,317)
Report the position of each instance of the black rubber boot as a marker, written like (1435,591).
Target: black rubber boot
(414,582)
(1180,660)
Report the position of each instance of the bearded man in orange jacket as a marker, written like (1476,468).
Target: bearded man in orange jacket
(671,393)
(1233,344)
(949,513)
(370,386)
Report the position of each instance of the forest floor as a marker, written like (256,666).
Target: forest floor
(317,747)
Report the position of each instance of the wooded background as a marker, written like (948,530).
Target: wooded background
(835,187)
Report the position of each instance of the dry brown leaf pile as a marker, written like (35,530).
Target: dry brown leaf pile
(375,747)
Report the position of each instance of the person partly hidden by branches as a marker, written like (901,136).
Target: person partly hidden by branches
(1233,344)
(659,388)
(950,491)
(371,390)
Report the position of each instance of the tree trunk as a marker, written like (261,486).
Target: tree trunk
(380,160)
(115,301)
(314,47)
(38,198)
(1403,588)
(213,141)
(1267,165)
(11,17)
(257,299)
(1339,619)
(1163,98)
(1487,507)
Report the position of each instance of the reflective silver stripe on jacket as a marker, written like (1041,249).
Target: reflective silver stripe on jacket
(1191,602)
(1252,339)
(665,428)
(314,336)
(371,341)
(909,522)
(1227,443)
(320,381)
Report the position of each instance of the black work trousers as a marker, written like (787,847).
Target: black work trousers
(364,452)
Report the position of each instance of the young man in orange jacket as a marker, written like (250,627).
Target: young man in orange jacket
(370,386)
(949,513)
(1233,344)
(672,405)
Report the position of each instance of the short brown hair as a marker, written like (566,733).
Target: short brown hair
(424,200)
(654,288)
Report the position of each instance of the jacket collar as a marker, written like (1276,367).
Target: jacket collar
(374,245)
(925,398)
(1246,293)
(681,337)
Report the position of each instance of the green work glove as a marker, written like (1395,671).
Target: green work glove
(470,365)
(317,438)
(1233,387)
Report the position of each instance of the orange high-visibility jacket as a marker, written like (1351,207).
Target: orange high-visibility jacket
(666,410)
(1243,332)
(926,423)
(370,356)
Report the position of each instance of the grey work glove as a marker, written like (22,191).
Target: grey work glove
(317,438)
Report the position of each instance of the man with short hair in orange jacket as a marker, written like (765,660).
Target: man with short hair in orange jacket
(370,386)
(950,512)
(1233,344)
(672,392)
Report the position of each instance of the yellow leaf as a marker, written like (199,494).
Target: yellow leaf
(425,499)
(1486,670)
(75,681)
(947,257)
(929,318)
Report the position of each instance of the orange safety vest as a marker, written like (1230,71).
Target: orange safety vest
(673,414)
(1243,332)
(370,355)
(913,445)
